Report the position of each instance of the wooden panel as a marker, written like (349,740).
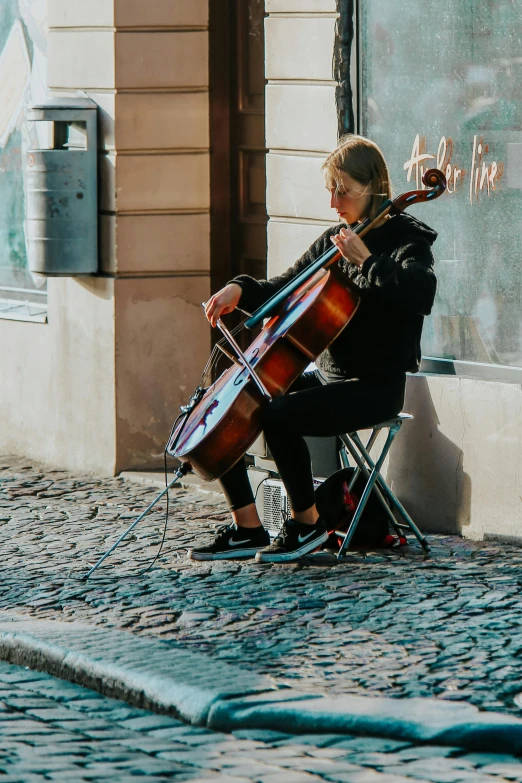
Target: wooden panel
(237,128)
(252,185)
(251,55)
(249,131)
(254,242)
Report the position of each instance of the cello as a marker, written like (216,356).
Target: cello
(221,421)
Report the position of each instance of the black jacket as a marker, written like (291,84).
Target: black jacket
(397,287)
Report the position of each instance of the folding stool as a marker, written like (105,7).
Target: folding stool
(371,470)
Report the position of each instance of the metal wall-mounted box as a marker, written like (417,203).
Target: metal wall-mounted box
(62,189)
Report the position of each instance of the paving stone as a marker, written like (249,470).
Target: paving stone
(216,779)
(179,733)
(318,740)
(46,737)
(370,744)
(483,759)
(287,777)
(194,758)
(148,722)
(263,735)
(321,767)
(435,775)
(509,771)
(413,752)
(370,776)
(151,745)
(56,714)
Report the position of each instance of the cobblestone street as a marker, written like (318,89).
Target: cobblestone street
(54,730)
(387,623)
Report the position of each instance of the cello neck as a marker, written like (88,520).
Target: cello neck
(328,258)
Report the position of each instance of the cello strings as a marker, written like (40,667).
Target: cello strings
(216,354)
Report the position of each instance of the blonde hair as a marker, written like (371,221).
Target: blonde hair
(364,162)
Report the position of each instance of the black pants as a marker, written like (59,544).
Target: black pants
(312,408)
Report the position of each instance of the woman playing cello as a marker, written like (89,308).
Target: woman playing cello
(360,378)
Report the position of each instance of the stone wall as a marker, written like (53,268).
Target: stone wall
(301,123)
(458,465)
(99,386)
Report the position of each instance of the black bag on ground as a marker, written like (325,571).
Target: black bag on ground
(337,506)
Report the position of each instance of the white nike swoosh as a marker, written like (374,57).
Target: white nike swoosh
(303,538)
(231,542)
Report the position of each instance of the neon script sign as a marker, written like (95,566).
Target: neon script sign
(483,174)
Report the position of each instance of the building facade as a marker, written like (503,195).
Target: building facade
(214,119)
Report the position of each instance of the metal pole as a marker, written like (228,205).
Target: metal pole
(366,473)
(366,494)
(180,472)
(423,541)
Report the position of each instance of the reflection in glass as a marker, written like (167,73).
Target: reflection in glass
(442,85)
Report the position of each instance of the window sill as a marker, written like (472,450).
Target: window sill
(504,373)
(15,310)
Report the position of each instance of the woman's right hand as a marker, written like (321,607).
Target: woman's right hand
(223,302)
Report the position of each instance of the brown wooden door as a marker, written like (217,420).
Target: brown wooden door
(237,137)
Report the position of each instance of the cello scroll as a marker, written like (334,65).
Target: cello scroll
(433,179)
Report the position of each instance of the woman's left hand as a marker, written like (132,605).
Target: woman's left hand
(351,246)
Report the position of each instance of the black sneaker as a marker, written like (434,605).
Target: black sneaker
(231,542)
(293,541)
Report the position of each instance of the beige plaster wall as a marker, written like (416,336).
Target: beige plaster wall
(458,465)
(98,387)
(57,379)
(161,347)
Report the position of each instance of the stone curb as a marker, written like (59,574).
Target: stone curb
(204,691)
(144,672)
(419,720)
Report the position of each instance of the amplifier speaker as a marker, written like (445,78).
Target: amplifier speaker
(271,499)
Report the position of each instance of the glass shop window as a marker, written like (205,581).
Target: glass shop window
(23,47)
(441,85)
